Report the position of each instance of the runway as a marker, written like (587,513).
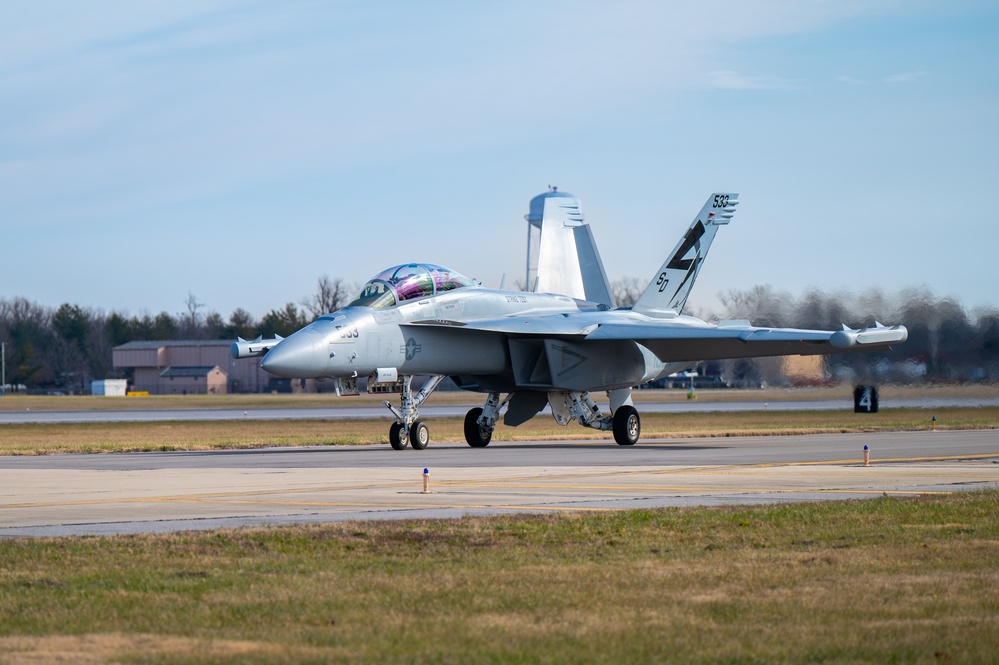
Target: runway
(161,492)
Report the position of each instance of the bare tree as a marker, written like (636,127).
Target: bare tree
(98,346)
(761,304)
(192,321)
(330,295)
(627,290)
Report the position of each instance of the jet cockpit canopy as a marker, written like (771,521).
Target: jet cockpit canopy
(407,282)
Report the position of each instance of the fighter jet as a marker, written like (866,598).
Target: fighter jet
(527,350)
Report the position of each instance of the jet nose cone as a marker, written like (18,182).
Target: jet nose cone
(300,356)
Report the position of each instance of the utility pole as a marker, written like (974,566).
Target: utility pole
(3,368)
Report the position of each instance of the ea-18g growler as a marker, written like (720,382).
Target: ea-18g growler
(528,350)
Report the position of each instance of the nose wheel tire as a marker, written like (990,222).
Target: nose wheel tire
(419,435)
(627,425)
(396,438)
(476,435)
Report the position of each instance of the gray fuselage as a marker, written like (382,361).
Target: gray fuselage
(424,336)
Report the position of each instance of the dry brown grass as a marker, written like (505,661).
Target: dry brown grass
(100,648)
(887,580)
(32,439)
(327,400)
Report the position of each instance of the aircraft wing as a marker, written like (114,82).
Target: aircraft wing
(674,343)
(688,343)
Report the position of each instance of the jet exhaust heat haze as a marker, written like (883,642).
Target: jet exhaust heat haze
(539,349)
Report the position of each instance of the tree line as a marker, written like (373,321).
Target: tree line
(947,342)
(65,347)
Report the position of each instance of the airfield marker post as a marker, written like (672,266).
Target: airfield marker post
(867,455)
(426,481)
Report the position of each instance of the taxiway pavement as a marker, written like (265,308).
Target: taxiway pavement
(159,492)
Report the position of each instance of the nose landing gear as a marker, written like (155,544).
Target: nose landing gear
(407,429)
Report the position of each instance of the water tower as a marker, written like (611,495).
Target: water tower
(562,254)
(534,217)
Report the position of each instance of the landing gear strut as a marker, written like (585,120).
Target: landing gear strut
(625,422)
(566,406)
(480,423)
(407,429)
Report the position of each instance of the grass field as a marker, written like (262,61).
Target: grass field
(33,439)
(883,581)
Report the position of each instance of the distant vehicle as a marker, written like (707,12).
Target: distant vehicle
(540,349)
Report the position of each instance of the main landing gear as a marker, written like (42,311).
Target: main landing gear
(579,406)
(627,425)
(480,423)
(566,406)
(407,428)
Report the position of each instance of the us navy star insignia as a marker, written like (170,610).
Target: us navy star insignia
(410,348)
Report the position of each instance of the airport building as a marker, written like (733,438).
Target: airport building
(190,367)
(193,381)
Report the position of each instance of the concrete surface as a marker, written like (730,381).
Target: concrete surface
(158,492)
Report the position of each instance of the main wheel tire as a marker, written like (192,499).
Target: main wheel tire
(476,435)
(627,425)
(419,435)
(396,438)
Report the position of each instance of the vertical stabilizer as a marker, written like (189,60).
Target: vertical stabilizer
(568,261)
(668,290)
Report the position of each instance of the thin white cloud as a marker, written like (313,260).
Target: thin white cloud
(726,79)
(110,109)
(907,77)
(222,97)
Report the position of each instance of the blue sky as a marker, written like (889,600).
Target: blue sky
(239,150)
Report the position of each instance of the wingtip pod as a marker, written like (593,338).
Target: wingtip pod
(876,336)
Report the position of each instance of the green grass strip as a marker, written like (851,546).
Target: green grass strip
(889,580)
